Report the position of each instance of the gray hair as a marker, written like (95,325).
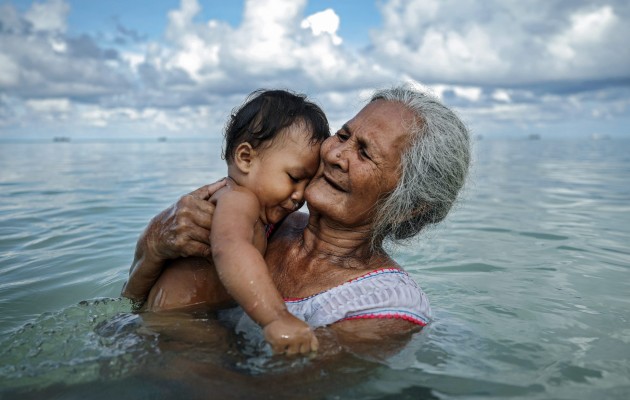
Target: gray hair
(433,167)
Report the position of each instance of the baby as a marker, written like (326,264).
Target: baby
(272,147)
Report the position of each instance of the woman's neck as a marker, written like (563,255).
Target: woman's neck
(309,255)
(347,247)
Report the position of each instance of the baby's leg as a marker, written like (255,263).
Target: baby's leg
(188,284)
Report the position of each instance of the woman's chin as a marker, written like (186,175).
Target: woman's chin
(325,206)
(320,190)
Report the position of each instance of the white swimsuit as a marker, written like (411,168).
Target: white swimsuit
(384,293)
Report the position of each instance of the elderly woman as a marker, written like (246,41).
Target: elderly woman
(389,172)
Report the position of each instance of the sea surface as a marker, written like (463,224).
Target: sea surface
(528,279)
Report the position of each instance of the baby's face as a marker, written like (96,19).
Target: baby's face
(282,172)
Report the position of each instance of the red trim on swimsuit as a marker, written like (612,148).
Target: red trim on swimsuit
(358,278)
(269,229)
(393,315)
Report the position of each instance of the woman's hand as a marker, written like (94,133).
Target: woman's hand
(182,230)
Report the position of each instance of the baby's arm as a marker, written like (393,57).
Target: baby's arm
(243,271)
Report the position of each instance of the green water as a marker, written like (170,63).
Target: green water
(528,280)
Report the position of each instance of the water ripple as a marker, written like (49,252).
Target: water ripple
(527,277)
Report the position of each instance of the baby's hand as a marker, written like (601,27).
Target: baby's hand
(290,335)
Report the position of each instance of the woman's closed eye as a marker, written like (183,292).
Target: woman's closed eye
(342,136)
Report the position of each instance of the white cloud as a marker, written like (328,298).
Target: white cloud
(38,61)
(275,45)
(9,71)
(48,16)
(504,43)
(592,26)
(468,93)
(586,42)
(492,60)
(501,95)
(324,22)
(411,42)
(266,40)
(49,105)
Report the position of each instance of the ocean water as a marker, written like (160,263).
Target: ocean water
(528,279)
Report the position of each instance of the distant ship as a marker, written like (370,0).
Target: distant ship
(533,136)
(61,139)
(162,139)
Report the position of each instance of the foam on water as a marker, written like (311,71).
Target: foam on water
(67,347)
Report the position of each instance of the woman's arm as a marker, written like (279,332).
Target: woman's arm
(376,338)
(182,230)
(366,330)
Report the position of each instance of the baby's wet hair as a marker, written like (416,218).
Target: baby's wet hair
(265,113)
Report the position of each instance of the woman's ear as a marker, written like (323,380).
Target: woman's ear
(243,157)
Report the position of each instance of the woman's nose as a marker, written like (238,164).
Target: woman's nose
(336,155)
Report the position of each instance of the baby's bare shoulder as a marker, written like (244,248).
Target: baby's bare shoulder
(235,197)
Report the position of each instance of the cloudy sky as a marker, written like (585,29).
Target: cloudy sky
(176,68)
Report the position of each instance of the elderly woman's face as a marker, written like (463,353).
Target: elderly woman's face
(360,163)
